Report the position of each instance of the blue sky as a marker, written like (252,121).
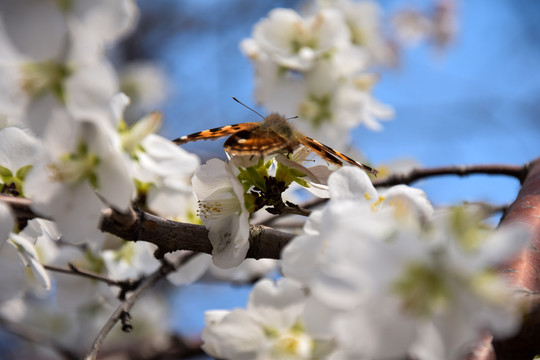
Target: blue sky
(476,104)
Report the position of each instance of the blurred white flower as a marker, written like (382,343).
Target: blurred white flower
(270,327)
(162,170)
(405,203)
(18,151)
(36,91)
(247,271)
(20,267)
(336,103)
(309,66)
(53,58)
(131,260)
(72,291)
(147,86)
(364,21)
(295,43)
(223,212)
(434,277)
(190,271)
(81,167)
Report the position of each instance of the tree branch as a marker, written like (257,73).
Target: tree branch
(264,242)
(125,285)
(519,172)
(524,272)
(122,311)
(170,235)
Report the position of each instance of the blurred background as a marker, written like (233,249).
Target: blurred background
(474,100)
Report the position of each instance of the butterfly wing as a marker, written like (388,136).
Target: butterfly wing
(215,133)
(260,141)
(333,156)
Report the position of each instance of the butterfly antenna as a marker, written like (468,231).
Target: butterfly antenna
(292,117)
(244,105)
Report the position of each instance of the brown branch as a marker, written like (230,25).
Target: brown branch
(264,242)
(122,311)
(524,272)
(519,172)
(125,285)
(171,235)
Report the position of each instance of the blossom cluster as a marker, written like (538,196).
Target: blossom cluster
(377,275)
(66,144)
(318,64)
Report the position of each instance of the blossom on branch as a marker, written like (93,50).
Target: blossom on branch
(81,168)
(387,279)
(56,61)
(312,66)
(271,327)
(222,210)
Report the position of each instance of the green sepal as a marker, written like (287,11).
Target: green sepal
(23,171)
(254,176)
(289,175)
(5,174)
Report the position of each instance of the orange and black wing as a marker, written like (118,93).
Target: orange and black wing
(216,133)
(258,141)
(333,156)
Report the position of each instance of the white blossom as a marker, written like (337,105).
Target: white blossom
(20,266)
(161,169)
(270,327)
(147,86)
(294,42)
(18,151)
(82,166)
(131,260)
(56,61)
(387,279)
(223,212)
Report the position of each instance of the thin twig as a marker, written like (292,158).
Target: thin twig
(126,305)
(517,171)
(125,285)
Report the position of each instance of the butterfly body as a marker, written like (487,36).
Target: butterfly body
(273,135)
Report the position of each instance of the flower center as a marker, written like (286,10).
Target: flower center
(73,168)
(421,289)
(46,76)
(215,209)
(317,109)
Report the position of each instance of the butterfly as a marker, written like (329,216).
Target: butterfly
(273,135)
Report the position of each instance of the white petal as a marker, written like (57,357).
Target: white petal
(36,28)
(89,91)
(229,237)
(278,305)
(236,336)
(30,257)
(191,271)
(109,19)
(350,181)
(17,148)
